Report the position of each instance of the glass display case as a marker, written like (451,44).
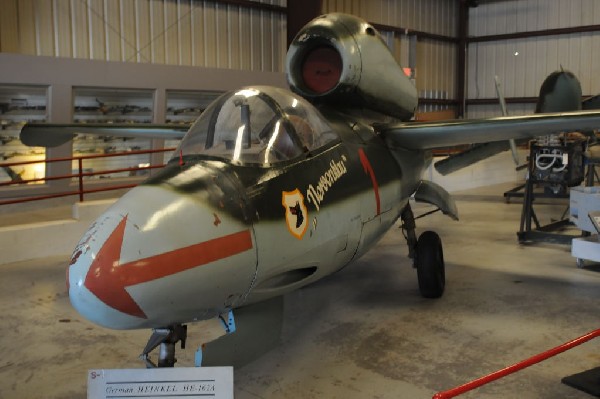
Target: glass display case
(102,105)
(185,107)
(20,104)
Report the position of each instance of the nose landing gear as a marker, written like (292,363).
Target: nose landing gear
(167,338)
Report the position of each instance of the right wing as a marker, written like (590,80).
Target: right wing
(55,134)
(430,135)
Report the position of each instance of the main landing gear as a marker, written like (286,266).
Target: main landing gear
(430,266)
(427,255)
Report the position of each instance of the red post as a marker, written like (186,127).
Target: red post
(79,174)
(515,367)
(80,164)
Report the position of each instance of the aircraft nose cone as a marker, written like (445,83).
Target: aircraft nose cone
(153,258)
(93,275)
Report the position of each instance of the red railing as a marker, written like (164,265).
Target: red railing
(516,367)
(80,175)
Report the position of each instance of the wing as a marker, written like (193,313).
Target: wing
(52,134)
(425,136)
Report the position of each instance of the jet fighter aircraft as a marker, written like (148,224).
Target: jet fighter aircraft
(271,190)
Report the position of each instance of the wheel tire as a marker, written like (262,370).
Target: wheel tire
(430,265)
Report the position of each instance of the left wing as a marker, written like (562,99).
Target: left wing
(426,136)
(55,134)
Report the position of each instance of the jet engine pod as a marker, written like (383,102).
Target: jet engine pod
(324,59)
(341,59)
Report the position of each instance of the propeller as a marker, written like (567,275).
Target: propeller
(513,145)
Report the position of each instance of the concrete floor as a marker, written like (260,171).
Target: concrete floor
(362,333)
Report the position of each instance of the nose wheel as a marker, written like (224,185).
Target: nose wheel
(166,338)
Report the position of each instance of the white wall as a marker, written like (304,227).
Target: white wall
(495,170)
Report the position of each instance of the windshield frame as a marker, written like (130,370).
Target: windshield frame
(201,136)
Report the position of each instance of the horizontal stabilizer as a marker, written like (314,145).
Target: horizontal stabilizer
(468,157)
(55,134)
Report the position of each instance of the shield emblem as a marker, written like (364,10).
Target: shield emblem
(296,214)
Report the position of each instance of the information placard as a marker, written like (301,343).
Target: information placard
(164,383)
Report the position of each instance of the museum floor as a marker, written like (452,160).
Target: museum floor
(362,333)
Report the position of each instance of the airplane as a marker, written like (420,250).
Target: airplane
(559,92)
(271,190)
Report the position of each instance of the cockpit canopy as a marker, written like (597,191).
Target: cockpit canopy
(257,125)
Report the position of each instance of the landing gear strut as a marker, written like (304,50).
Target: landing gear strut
(408,229)
(427,255)
(166,338)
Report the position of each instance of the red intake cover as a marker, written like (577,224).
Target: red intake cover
(322,69)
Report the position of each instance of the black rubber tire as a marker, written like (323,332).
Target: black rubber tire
(430,265)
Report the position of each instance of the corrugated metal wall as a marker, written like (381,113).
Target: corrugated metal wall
(209,34)
(175,32)
(436,71)
(523,64)
(436,61)
(433,16)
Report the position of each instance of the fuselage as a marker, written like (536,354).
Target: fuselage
(206,235)
(266,193)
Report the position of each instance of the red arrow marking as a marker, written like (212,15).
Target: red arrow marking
(369,170)
(107,278)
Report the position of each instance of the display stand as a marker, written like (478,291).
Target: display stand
(557,183)
(585,213)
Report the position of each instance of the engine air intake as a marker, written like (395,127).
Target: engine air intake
(322,69)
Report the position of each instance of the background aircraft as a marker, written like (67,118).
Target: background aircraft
(271,190)
(560,92)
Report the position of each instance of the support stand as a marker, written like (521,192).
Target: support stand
(545,233)
(516,191)
(555,181)
(592,174)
